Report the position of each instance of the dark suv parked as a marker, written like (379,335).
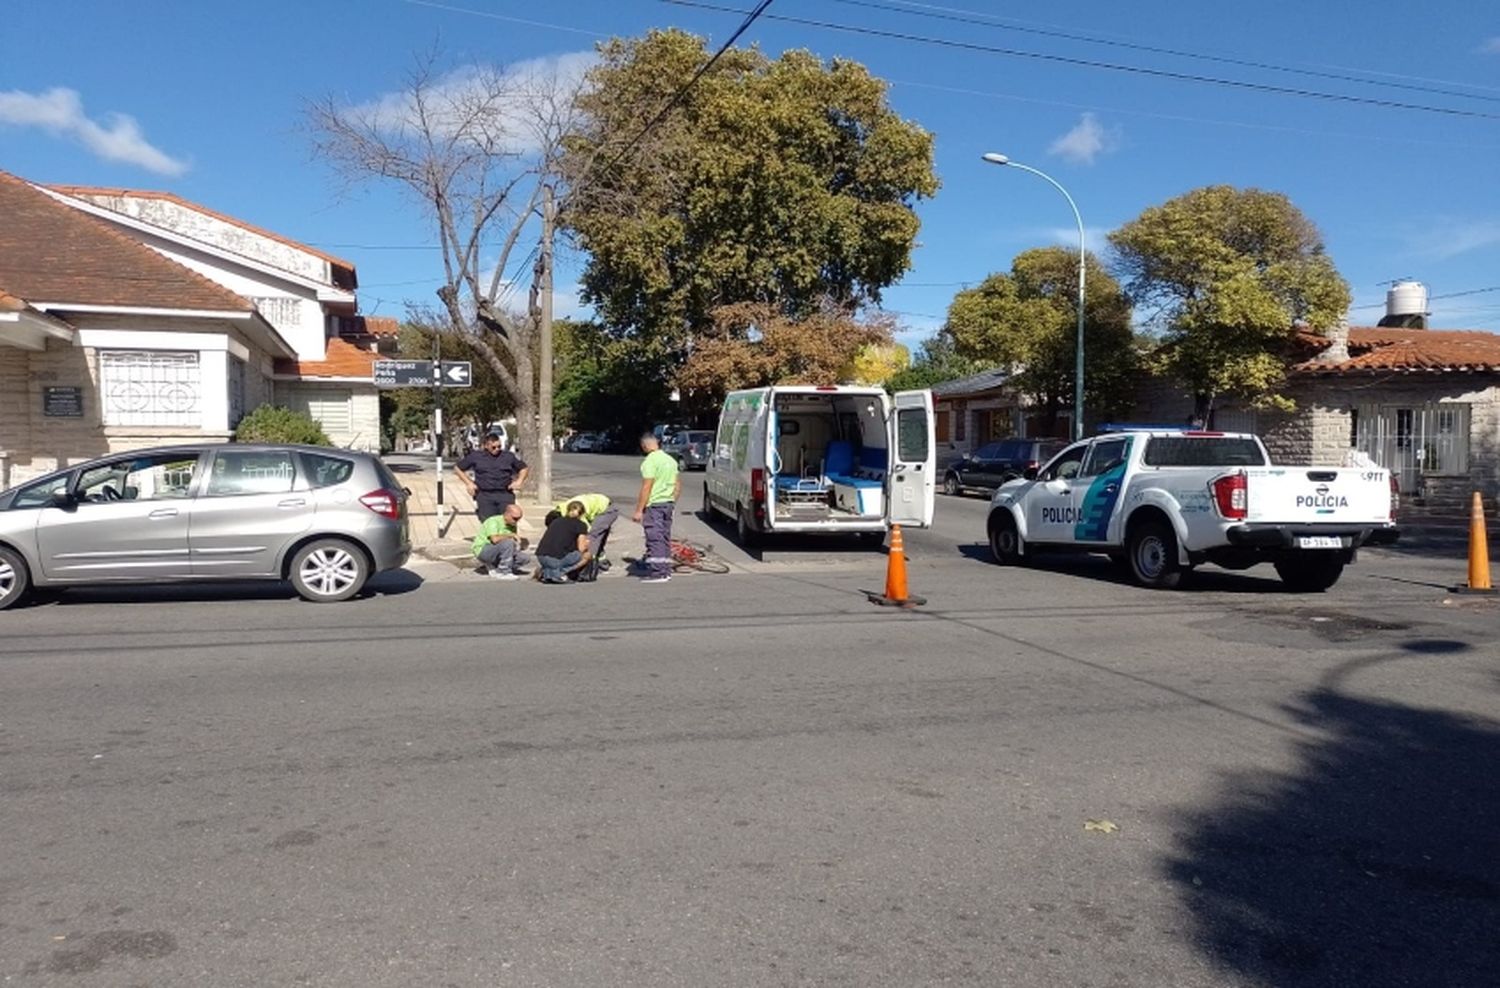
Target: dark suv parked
(996,463)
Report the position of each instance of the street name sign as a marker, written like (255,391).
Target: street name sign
(419,374)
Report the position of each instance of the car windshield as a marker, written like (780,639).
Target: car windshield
(700,437)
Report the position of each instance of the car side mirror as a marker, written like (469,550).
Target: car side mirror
(63,499)
(1029,473)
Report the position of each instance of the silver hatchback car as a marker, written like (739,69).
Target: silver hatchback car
(324,519)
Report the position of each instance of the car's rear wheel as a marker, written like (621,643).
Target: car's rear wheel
(1312,573)
(951,486)
(1005,541)
(15,578)
(329,570)
(1153,556)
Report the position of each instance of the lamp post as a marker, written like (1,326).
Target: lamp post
(1000,159)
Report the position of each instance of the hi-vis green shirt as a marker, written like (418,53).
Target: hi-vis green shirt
(493,525)
(594,505)
(661,470)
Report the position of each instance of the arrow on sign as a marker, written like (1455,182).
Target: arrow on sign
(457,373)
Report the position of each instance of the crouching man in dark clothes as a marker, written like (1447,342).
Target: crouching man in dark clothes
(564,547)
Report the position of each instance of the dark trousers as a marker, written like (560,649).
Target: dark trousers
(487,504)
(657,524)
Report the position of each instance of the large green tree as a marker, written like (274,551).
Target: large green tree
(784,182)
(937,360)
(1027,319)
(1228,276)
(609,384)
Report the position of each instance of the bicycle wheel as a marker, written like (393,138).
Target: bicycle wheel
(712,564)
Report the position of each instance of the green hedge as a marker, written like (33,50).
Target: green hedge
(274,424)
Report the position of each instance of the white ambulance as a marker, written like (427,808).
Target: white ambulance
(836,459)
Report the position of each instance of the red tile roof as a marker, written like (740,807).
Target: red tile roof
(382,325)
(51,252)
(9,303)
(87,191)
(340,359)
(1373,348)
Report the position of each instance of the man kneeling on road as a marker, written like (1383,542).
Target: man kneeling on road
(564,548)
(498,545)
(600,516)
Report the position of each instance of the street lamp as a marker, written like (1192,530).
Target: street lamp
(1000,159)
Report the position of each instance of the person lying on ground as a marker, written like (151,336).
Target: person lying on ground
(564,547)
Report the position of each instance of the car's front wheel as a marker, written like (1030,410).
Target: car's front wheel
(328,570)
(951,486)
(1005,541)
(15,578)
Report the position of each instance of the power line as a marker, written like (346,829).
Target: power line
(957,15)
(1096,64)
(1182,118)
(751,16)
(1436,298)
(502,17)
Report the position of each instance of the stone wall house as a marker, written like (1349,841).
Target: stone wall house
(307,294)
(1424,403)
(136,319)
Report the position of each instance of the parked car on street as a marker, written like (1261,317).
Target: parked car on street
(323,519)
(1159,502)
(584,442)
(998,463)
(692,448)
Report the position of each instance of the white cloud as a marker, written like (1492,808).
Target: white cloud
(1085,142)
(1491,46)
(59,112)
(519,96)
(1095,238)
(1443,240)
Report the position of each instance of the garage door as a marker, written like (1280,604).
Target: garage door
(332,408)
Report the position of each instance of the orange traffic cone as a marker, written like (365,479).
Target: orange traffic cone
(1479,552)
(895,577)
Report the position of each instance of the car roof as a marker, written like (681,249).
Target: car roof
(196,448)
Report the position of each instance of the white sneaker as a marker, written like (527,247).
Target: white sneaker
(497,575)
(656,579)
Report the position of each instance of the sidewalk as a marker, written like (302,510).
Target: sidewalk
(448,537)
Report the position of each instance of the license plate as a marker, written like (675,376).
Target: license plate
(1320,542)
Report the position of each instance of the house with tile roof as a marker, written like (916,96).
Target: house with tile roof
(1424,403)
(131,319)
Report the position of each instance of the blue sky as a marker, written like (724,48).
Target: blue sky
(214,93)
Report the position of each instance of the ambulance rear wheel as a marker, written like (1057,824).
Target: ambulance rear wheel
(744,531)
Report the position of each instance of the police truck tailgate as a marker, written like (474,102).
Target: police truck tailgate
(1318,496)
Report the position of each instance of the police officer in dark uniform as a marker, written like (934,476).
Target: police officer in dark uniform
(492,475)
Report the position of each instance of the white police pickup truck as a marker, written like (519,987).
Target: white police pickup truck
(1159,502)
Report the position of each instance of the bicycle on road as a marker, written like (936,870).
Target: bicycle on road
(688,556)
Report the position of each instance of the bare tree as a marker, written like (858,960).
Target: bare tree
(480,151)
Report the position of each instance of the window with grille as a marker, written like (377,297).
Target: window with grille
(281,312)
(151,388)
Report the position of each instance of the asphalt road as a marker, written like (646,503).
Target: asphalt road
(1044,777)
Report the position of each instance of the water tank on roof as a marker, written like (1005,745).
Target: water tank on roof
(1406,298)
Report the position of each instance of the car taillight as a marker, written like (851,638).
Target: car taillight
(1395,496)
(757,484)
(1232,495)
(384,503)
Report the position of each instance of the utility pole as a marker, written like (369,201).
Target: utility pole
(544,372)
(437,418)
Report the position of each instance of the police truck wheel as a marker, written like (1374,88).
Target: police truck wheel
(1312,573)
(1153,556)
(15,578)
(1005,541)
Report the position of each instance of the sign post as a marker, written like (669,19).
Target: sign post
(437,374)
